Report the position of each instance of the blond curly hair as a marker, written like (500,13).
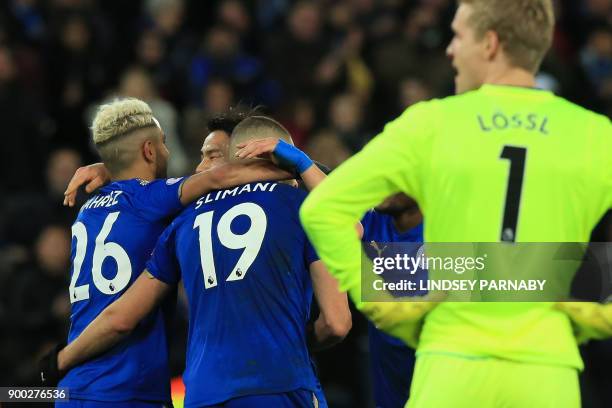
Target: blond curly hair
(120,117)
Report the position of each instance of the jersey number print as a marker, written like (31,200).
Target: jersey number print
(516,156)
(250,241)
(102,251)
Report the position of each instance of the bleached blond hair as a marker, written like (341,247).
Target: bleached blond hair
(120,117)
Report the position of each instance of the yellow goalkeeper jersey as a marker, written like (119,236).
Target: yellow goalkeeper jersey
(497,164)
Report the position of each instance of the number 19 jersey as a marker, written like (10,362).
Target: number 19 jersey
(112,238)
(244,260)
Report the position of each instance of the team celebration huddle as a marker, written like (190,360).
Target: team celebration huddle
(268,246)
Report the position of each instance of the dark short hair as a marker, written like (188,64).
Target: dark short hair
(227,121)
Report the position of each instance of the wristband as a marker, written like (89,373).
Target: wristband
(48,369)
(292,156)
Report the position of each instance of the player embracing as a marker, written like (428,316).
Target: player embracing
(249,288)
(112,238)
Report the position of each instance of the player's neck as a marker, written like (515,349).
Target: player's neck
(407,220)
(135,172)
(511,76)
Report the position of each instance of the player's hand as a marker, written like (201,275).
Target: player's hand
(261,148)
(93,176)
(280,152)
(50,374)
(591,321)
(402,319)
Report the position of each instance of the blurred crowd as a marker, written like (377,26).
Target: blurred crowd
(332,71)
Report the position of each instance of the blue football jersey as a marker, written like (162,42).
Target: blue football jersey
(244,260)
(112,239)
(391,361)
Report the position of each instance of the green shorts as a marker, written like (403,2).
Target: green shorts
(448,380)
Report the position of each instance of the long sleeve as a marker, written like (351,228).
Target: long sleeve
(394,161)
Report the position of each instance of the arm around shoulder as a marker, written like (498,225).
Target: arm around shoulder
(115,322)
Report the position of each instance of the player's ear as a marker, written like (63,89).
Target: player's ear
(149,151)
(492,45)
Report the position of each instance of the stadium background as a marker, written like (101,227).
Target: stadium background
(332,71)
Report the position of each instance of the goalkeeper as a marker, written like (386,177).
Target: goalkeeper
(501,161)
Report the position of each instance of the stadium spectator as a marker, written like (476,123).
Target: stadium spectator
(326,147)
(295,54)
(347,121)
(166,16)
(37,304)
(233,14)
(216,98)
(77,74)
(23,213)
(221,56)
(300,119)
(413,90)
(23,150)
(596,59)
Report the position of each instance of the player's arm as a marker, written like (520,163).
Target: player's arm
(286,155)
(229,175)
(334,321)
(396,160)
(312,177)
(92,176)
(115,322)
(290,156)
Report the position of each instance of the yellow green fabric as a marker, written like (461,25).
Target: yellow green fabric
(448,155)
(460,382)
(590,320)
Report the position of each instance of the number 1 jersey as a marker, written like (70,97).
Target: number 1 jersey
(244,260)
(500,163)
(112,238)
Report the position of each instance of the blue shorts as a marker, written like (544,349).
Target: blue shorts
(293,399)
(76,403)
(391,364)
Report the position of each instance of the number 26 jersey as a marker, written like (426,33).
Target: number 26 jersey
(112,238)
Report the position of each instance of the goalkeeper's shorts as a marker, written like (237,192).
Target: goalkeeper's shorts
(449,380)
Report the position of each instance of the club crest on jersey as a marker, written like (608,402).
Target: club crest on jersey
(172,181)
(143,182)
